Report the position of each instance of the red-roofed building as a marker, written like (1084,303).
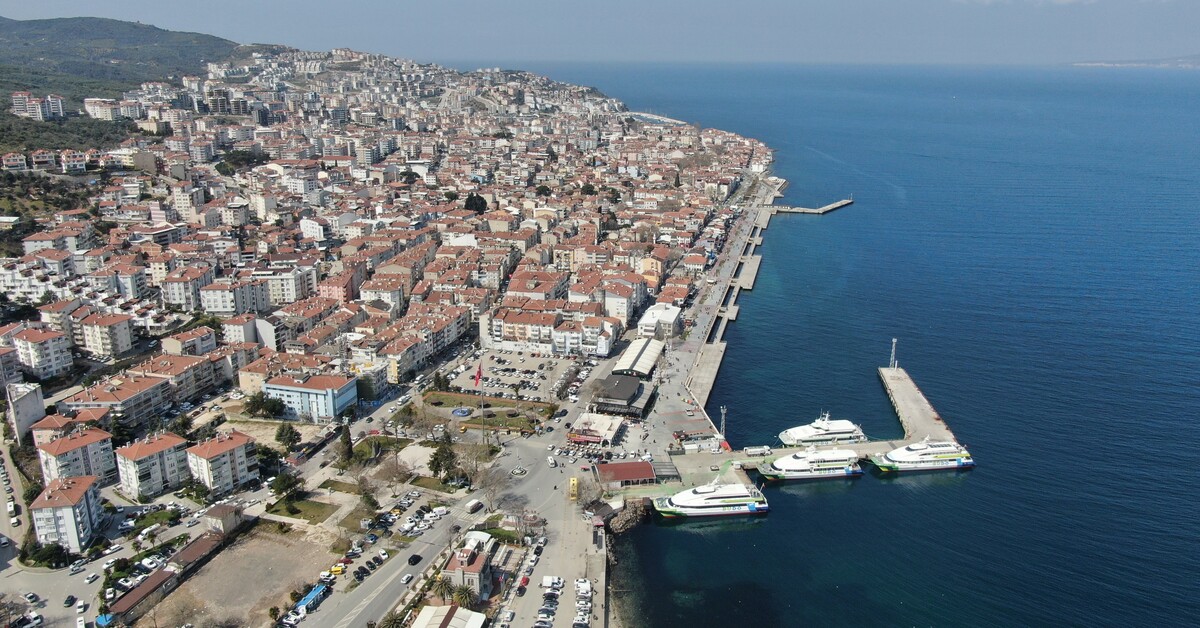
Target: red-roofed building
(617,474)
(107,335)
(470,565)
(224,462)
(84,452)
(153,465)
(132,400)
(68,513)
(316,398)
(44,353)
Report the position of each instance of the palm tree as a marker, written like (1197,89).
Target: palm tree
(391,620)
(465,596)
(442,587)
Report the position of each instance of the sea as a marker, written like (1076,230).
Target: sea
(1031,238)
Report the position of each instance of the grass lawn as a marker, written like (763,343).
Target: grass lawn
(363,449)
(453,400)
(501,421)
(432,484)
(341,487)
(163,516)
(350,521)
(493,520)
(310,511)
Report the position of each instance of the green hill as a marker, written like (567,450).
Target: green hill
(88,56)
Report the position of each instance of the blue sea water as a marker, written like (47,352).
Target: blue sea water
(1032,238)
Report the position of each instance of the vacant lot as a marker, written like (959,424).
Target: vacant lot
(256,573)
(264,431)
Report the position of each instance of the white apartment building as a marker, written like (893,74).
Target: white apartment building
(386,288)
(132,400)
(85,452)
(225,462)
(68,513)
(181,287)
(229,298)
(44,353)
(286,286)
(317,398)
(107,335)
(153,465)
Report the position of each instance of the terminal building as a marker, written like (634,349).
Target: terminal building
(622,395)
(640,358)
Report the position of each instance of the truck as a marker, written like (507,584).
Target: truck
(758,451)
(551,582)
(474,505)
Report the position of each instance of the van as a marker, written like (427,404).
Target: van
(550,461)
(441,511)
(474,505)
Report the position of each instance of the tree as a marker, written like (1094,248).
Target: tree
(286,486)
(9,609)
(588,189)
(491,482)
(451,196)
(476,203)
(366,489)
(391,620)
(273,612)
(542,190)
(182,425)
(261,405)
(442,587)
(394,471)
(465,596)
(287,436)
(346,444)
(442,460)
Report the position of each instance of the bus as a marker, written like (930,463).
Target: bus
(573,490)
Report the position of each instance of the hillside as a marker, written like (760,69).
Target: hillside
(1188,62)
(80,56)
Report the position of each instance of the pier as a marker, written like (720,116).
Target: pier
(810,210)
(917,416)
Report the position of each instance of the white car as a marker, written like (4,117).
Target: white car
(383,554)
(109,563)
(91,578)
(406,579)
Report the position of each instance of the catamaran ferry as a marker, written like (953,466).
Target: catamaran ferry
(713,500)
(925,456)
(823,431)
(812,464)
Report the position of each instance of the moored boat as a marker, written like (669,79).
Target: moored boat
(926,455)
(713,500)
(823,431)
(812,464)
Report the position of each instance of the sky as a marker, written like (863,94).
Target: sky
(704,31)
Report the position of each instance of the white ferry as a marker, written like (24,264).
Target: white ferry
(713,500)
(823,431)
(812,464)
(926,455)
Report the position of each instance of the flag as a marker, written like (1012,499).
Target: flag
(479,373)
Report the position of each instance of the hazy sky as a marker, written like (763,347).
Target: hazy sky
(803,31)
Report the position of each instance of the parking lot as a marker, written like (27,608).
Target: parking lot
(536,376)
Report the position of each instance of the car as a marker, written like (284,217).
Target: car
(383,555)
(81,607)
(92,577)
(345,561)
(414,559)
(528,570)
(110,594)
(126,583)
(77,569)
(358,577)
(109,563)
(14,521)
(112,549)
(414,494)
(537,551)
(192,523)
(372,538)
(31,597)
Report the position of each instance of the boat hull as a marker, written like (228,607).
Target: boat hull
(784,476)
(893,467)
(679,514)
(788,440)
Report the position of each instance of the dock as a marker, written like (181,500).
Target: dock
(917,416)
(811,210)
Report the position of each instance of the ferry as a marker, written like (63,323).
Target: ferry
(823,431)
(812,464)
(926,455)
(713,500)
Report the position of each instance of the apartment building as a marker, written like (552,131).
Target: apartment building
(195,341)
(44,353)
(190,376)
(181,287)
(134,401)
(68,513)
(153,465)
(224,462)
(107,335)
(227,297)
(83,452)
(316,398)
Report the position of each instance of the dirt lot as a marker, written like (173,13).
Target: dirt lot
(256,573)
(263,432)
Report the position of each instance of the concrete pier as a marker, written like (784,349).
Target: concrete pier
(749,273)
(818,210)
(917,416)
